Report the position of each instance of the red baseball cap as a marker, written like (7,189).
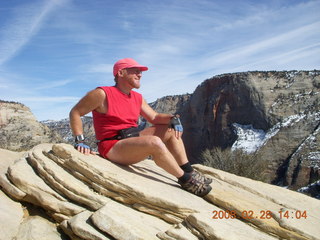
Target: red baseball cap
(127,63)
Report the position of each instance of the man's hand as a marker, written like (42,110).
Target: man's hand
(175,124)
(83,148)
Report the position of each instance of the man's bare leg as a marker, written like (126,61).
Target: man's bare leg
(167,151)
(132,150)
(174,145)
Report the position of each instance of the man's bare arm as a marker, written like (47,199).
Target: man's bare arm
(95,99)
(152,116)
(159,118)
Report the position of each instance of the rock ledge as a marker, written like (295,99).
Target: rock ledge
(92,198)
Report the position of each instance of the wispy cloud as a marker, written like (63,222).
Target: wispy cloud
(60,99)
(70,46)
(53,84)
(25,22)
(283,44)
(100,68)
(254,36)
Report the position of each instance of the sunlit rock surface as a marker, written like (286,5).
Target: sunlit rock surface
(89,197)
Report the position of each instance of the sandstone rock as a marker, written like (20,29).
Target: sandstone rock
(6,159)
(248,196)
(20,130)
(11,189)
(132,185)
(177,232)
(123,222)
(93,198)
(81,226)
(35,228)
(64,225)
(219,229)
(62,181)
(38,192)
(11,215)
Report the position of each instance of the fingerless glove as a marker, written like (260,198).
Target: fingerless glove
(175,123)
(80,142)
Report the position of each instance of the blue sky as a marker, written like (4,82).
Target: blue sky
(54,51)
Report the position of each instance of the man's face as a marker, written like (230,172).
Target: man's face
(133,76)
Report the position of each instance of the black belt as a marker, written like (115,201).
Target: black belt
(116,137)
(124,133)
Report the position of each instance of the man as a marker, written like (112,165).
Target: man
(119,107)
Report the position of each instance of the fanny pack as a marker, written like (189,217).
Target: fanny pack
(129,132)
(124,133)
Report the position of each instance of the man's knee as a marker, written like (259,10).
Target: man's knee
(156,143)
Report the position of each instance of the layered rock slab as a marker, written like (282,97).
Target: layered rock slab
(23,176)
(7,158)
(82,226)
(145,185)
(35,228)
(11,217)
(10,211)
(95,197)
(285,213)
(123,222)
(63,182)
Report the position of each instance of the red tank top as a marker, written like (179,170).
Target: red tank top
(123,112)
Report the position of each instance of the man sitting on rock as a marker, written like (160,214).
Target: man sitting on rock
(116,110)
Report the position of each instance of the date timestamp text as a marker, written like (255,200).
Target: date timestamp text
(263,214)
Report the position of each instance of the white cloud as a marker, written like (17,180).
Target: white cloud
(271,46)
(60,99)
(182,43)
(24,24)
(52,84)
(100,68)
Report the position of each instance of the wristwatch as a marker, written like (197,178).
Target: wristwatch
(79,138)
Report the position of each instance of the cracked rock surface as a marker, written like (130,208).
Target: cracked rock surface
(88,197)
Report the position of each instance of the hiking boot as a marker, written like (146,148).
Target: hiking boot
(196,187)
(200,177)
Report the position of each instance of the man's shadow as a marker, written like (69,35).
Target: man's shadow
(139,171)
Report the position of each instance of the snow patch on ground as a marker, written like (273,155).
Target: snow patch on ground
(312,188)
(251,139)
